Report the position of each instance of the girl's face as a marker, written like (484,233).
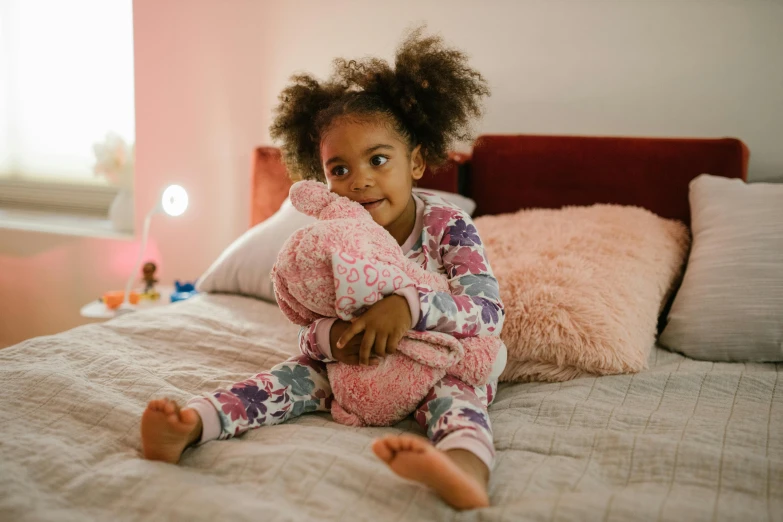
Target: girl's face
(367,162)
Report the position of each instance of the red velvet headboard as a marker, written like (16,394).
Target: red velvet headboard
(511,172)
(506,173)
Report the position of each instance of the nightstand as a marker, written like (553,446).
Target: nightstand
(97,310)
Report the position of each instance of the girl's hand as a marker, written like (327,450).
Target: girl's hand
(383,325)
(350,353)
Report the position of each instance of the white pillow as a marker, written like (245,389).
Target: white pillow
(243,268)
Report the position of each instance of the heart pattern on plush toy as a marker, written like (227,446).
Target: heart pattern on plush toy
(345,302)
(364,283)
(370,274)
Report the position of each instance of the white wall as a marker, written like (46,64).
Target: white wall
(641,67)
(208,72)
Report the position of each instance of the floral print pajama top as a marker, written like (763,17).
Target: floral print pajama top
(444,240)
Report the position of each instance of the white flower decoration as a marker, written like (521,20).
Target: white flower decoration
(115,160)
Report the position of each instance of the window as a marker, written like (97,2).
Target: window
(66,80)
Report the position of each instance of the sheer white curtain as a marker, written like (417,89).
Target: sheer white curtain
(66,79)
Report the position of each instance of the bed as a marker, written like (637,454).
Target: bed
(683,440)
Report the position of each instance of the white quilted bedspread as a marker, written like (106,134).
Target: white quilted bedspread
(684,440)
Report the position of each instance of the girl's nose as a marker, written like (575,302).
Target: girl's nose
(362,180)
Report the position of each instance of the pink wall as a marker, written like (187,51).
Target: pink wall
(208,72)
(199,91)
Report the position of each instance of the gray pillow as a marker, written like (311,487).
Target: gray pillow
(730,304)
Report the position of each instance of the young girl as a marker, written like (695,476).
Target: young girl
(369,132)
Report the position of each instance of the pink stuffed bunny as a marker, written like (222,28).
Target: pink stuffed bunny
(339,266)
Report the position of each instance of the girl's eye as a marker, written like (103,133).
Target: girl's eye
(339,171)
(378,160)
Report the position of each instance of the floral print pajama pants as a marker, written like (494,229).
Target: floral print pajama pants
(453,413)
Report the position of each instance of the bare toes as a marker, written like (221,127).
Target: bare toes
(395,443)
(170,407)
(388,447)
(413,443)
(382,450)
(188,416)
(453,479)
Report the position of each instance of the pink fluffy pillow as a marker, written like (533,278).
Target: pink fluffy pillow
(583,287)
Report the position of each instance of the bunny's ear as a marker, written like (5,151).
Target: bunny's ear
(314,199)
(310,197)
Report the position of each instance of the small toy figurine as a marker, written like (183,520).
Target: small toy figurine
(148,272)
(183,291)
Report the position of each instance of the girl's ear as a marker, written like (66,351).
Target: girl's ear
(418,165)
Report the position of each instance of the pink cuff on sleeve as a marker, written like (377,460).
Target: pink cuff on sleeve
(210,421)
(411,294)
(322,329)
(455,440)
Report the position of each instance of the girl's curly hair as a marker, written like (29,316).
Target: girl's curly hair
(429,97)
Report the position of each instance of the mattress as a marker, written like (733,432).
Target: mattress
(683,440)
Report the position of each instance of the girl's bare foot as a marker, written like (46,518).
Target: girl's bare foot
(166,430)
(458,476)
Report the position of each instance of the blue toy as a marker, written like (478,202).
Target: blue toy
(183,291)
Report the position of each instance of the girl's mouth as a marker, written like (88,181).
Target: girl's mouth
(369,205)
